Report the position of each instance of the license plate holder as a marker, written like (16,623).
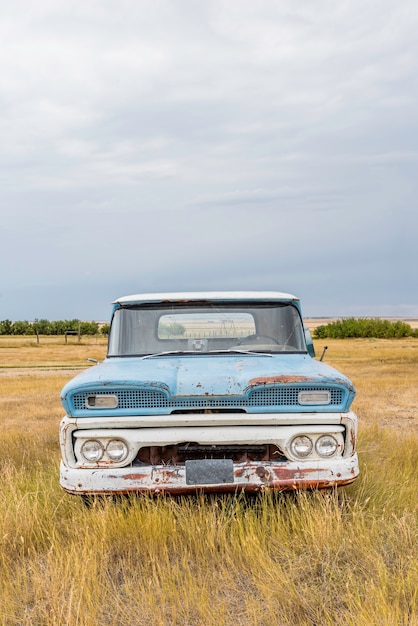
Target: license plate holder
(209,472)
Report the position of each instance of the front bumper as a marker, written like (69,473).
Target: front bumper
(249,476)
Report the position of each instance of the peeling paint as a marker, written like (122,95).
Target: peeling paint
(281,379)
(230,415)
(249,477)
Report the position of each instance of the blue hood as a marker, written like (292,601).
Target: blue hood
(203,375)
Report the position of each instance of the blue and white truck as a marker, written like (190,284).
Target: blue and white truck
(207,391)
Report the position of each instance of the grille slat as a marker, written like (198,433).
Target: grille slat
(154,399)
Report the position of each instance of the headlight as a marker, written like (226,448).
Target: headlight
(92,450)
(301,446)
(326,445)
(117,450)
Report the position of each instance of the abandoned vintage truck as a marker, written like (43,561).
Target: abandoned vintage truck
(214,392)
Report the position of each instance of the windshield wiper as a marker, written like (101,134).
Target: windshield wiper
(240,351)
(169,352)
(228,351)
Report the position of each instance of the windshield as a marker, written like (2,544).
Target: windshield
(206,328)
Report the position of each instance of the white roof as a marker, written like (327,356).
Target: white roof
(198,296)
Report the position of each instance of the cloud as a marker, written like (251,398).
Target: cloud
(230,144)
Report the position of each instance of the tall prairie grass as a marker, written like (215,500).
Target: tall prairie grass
(309,558)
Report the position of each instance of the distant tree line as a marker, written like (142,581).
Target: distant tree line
(45,327)
(364,327)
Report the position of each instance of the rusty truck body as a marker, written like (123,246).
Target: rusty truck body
(213,392)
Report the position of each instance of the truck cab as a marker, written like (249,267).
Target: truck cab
(207,391)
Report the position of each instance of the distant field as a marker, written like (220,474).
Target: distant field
(310,559)
(50,352)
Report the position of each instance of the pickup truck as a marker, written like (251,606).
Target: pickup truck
(207,392)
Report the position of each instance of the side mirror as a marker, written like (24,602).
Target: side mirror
(309,342)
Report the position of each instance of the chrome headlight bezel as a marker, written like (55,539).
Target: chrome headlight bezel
(93,444)
(112,446)
(332,446)
(105,451)
(305,444)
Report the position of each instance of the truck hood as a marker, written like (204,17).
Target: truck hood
(206,375)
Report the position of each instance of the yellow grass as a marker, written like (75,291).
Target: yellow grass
(22,352)
(305,559)
(385,375)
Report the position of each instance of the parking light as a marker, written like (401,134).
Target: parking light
(101,401)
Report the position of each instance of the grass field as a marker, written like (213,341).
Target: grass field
(312,558)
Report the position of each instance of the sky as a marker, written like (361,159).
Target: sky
(180,145)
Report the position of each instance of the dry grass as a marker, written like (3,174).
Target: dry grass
(384,373)
(305,559)
(50,352)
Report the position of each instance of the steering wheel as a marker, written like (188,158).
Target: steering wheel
(256,338)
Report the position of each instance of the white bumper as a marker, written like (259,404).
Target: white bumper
(251,476)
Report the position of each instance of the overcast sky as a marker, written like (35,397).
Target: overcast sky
(166,145)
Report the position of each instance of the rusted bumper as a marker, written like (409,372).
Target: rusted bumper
(250,476)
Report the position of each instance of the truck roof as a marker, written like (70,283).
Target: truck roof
(207,296)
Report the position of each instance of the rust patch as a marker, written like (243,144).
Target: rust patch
(262,473)
(353,440)
(157,384)
(135,476)
(283,473)
(282,379)
(285,484)
(346,383)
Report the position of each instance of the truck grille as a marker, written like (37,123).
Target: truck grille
(150,399)
(179,454)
